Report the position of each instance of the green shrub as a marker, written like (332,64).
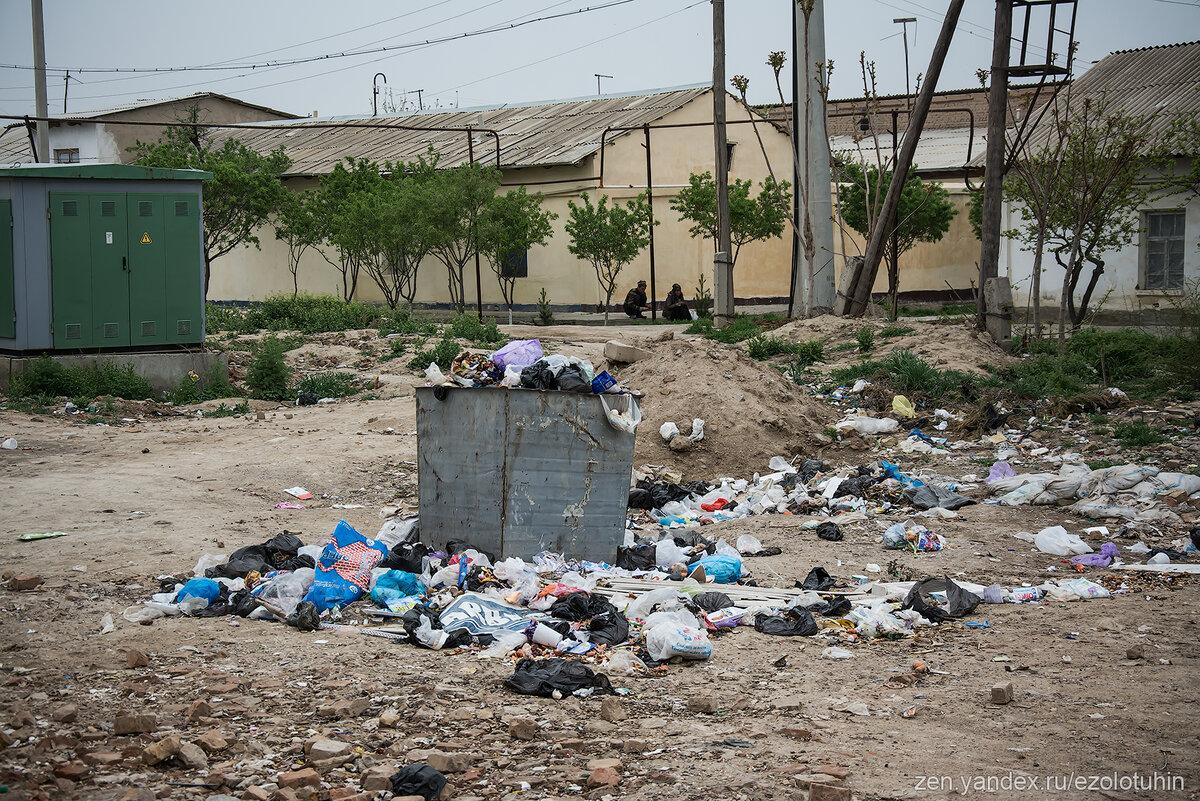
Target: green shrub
(741,329)
(810,352)
(764,347)
(400,321)
(46,378)
(218,318)
(1137,435)
(441,354)
(396,349)
(269,376)
(865,338)
(907,373)
(702,298)
(328,385)
(468,326)
(194,388)
(545,315)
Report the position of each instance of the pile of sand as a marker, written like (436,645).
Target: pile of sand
(751,412)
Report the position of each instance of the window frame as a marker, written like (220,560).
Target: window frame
(72,154)
(1147,242)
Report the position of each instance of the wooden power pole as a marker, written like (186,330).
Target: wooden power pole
(993,176)
(723,311)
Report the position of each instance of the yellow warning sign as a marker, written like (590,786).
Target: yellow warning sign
(145,237)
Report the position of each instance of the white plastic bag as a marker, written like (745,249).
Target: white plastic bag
(668,640)
(870,425)
(1058,541)
(667,431)
(434,375)
(665,598)
(286,590)
(627,420)
(207,561)
(748,544)
(697,430)
(667,553)
(624,663)
(505,642)
(781,465)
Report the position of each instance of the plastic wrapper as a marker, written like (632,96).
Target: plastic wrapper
(903,407)
(667,431)
(870,425)
(748,544)
(286,590)
(669,640)
(721,568)
(520,353)
(1058,541)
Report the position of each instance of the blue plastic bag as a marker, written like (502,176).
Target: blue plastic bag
(204,588)
(396,584)
(723,569)
(893,471)
(344,569)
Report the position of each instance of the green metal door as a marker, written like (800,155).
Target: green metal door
(109,270)
(147,270)
(185,269)
(71,270)
(8,297)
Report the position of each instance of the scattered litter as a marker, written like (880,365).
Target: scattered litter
(299,493)
(41,535)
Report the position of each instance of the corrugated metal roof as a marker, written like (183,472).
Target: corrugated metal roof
(939,150)
(150,103)
(14,145)
(1160,83)
(540,134)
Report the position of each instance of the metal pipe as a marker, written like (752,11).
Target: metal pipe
(650,199)
(375,93)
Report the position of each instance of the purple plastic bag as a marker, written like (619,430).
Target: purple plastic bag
(1108,552)
(520,353)
(1000,470)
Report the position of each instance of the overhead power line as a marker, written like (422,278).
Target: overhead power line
(326,56)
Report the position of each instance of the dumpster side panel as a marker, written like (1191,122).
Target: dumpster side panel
(520,471)
(460,467)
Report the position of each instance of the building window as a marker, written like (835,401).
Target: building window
(1163,250)
(516,265)
(66,155)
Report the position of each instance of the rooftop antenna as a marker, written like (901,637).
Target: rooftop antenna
(375,93)
(598,77)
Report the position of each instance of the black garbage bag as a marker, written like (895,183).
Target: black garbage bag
(796,623)
(959,601)
(454,547)
(406,556)
(809,468)
(931,495)
(242,603)
(411,620)
(772,551)
(663,491)
(829,531)
(538,376)
(1194,535)
(608,628)
(418,779)
(690,538)
(274,554)
(543,677)
(817,579)
(307,399)
(640,499)
(574,379)
(306,617)
(479,578)
(712,601)
(580,606)
(639,557)
(834,607)
(855,486)
(283,546)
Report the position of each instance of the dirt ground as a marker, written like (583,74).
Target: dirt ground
(148,495)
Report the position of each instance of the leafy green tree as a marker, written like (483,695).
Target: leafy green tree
(244,191)
(453,207)
(924,214)
(751,218)
(334,210)
(296,226)
(608,237)
(509,225)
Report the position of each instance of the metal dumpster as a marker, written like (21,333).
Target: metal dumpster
(516,472)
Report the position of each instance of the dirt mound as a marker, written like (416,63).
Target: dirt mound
(750,411)
(954,346)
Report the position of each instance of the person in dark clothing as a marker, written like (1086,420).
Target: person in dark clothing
(635,301)
(674,307)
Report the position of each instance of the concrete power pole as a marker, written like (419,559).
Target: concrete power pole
(812,163)
(39,81)
(723,311)
(993,176)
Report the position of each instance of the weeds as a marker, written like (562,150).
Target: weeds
(269,376)
(907,373)
(194,388)
(441,354)
(328,385)
(396,349)
(309,314)
(1137,435)
(762,347)
(468,326)
(891,331)
(400,321)
(228,411)
(741,329)
(46,378)
(865,339)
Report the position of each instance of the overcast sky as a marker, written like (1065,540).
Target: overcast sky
(643,44)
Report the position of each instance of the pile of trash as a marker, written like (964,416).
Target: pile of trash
(523,364)
(1125,492)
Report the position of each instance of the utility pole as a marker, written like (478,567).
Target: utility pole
(598,77)
(993,175)
(66,89)
(420,93)
(907,91)
(860,293)
(723,304)
(375,93)
(39,81)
